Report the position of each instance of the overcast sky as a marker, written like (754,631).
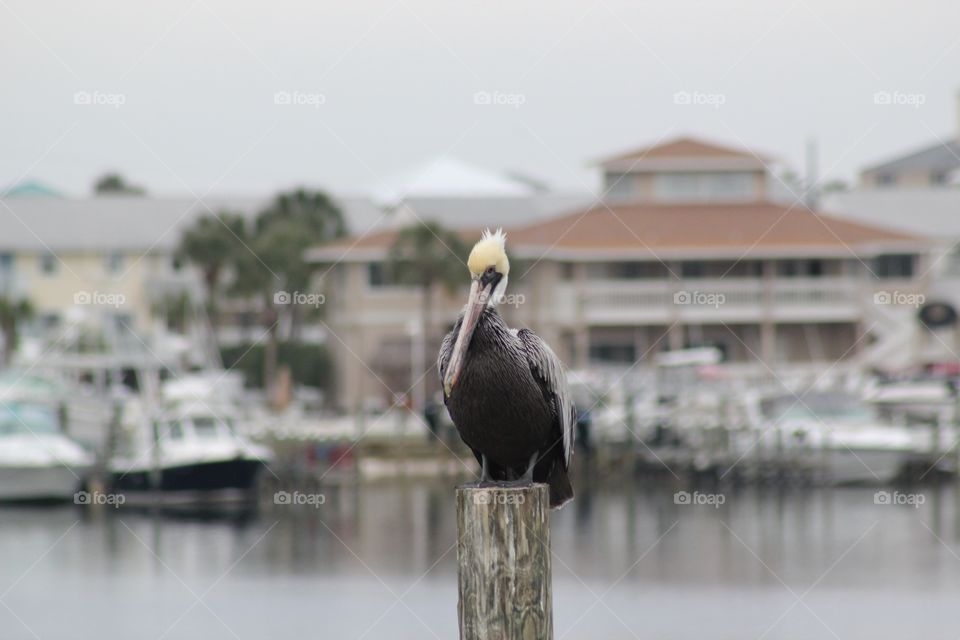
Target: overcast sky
(386,84)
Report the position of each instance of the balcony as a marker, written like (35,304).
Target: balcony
(612,302)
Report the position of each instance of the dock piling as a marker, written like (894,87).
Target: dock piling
(503,554)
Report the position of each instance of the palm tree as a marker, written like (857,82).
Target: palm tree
(426,255)
(211,244)
(12,313)
(275,263)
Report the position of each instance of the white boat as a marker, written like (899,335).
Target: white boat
(189,453)
(37,461)
(836,431)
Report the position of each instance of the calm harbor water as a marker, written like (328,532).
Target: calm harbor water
(379,561)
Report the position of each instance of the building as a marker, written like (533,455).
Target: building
(935,164)
(108,262)
(917,193)
(686,170)
(691,252)
(104,264)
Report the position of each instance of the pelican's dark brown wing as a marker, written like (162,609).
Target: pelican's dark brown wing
(548,371)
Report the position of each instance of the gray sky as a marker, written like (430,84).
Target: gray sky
(398,78)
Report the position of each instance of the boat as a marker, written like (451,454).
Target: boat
(835,431)
(38,462)
(188,452)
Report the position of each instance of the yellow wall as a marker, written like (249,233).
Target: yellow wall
(76,274)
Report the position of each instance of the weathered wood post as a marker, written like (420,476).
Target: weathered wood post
(503,551)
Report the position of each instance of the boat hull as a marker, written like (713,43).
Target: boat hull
(864,466)
(39,483)
(232,480)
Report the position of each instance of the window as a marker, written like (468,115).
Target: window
(701,186)
(176,431)
(48,263)
(800,268)
(613,353)
(893,266)
(566,271)
(114,262)
(634,270)
(886,179)
(939,177)
(49,321)
(692,269)
(378,275)
(619,186)
(205,426)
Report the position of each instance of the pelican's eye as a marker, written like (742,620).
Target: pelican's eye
(491,270)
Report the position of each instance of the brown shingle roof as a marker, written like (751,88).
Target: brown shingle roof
(683,147)
(645,228)
(701,226)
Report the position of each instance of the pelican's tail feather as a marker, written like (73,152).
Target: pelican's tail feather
(561,491)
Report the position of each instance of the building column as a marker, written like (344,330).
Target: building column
(768,331)
(581,344)
(768,342)
(581,332)
(675,337)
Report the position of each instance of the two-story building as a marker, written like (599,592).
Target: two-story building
(686,249)
(105,262)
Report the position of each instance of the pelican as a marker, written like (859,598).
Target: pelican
(505,389)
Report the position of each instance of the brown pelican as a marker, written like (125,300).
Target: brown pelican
(505,389)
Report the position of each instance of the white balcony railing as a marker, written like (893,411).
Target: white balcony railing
(718,300)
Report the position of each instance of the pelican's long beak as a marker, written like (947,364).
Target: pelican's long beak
(479,294)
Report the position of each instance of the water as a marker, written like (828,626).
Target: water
(380,562)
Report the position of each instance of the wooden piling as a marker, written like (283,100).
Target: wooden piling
(503,552)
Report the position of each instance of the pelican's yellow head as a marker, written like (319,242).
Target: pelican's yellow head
(490,251)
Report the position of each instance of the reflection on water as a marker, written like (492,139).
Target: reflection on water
(380,562)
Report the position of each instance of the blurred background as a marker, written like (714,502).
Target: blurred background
(232,237)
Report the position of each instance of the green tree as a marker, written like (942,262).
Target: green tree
(212,244)
(274,268)
(174,310)
(114,183)
(12,314)
(314,209)
(427,255)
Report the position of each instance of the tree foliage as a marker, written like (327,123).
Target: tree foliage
(427,254)
(114,183)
